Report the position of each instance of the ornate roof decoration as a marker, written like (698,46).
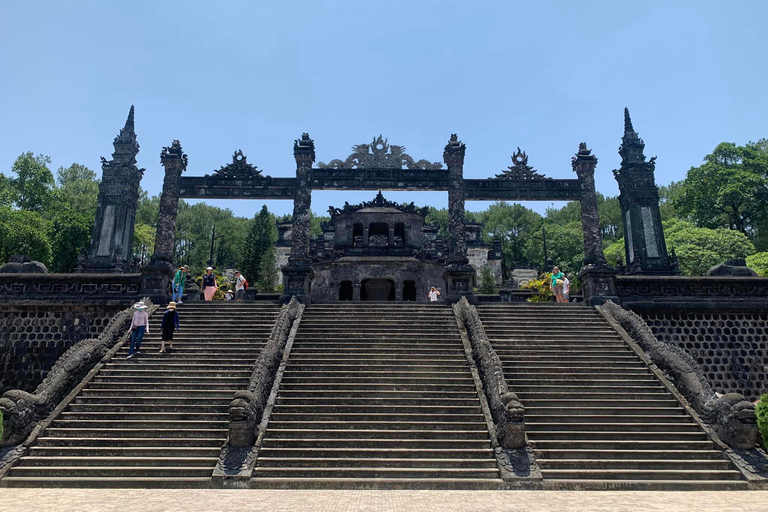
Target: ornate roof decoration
(379,202)
(126,147)
(520,170)
(632,148)
(239,168)
(379,155)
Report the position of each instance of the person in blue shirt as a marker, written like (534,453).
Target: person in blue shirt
(179,280)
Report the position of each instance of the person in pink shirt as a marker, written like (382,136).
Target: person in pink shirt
(139,327)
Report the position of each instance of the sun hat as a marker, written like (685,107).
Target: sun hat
(171,305)
(209,268)
(185,267)
(140,305)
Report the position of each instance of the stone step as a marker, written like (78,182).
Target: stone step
(579,436)
(111,471)
(311,394)
(133,442)
(598,403)
(374,472)
(644,464)
(416,452)
(207,462)
(382,444)
(381,365)
(368,462)
(368,387)
(635,444)
(437,407)
(144,416)
(356,382)
(187,367)
(145,432)
(379,483)
(625,419)
(175,400)
(585,382)
(642,474)
(649,428)
(156,385)
(644,485)
(105,482)
(591,395)
(609,410)
(374,401)
(279,415)
(393,424)
(125,451)
(143,424)
(378,434)
(147,407)
(166,373)
(379,374)
(355,356)
(160,393)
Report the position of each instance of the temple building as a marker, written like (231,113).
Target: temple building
(383,251)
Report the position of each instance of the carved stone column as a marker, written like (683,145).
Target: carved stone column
(459,275)
(399,292)
(175,163)
(391,236)
(157,276)
(112,236)
(356,292)
(297,275)
(584,164)
(598,280)
(365,236)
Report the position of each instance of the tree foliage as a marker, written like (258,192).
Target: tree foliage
(261,237)
(759,263)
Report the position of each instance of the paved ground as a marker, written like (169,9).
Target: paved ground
(119,500)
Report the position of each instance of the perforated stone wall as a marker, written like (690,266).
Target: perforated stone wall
(32,339)
(732,348)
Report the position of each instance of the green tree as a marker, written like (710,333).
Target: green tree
(262,236)
(69,235)
(699,249)
(759,263)
(33,185)
(148,208)
(268,272)
(516,225)
(729,190)
(487,281)
(143,242)
(78,188)
(440,219)
(24,232)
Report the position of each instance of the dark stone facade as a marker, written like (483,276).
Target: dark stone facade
(33,337)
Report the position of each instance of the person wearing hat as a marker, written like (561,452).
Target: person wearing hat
(209,284)
(240,285)
(170,322)
(179,280)
(139,327)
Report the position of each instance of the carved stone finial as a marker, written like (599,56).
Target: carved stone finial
(173,155)
(304,145)
(627,122)
(520,170)
(379,154)
(239,168)
(584,155)
(632,146)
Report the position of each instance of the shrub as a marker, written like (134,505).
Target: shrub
(759,263)
(762,418)
(487,281)
(541,286)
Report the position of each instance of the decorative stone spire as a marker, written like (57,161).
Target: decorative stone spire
(126,145)
(632,146)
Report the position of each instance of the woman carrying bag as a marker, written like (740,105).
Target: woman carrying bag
(557,284)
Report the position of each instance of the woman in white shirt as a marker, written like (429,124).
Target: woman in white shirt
(433,294)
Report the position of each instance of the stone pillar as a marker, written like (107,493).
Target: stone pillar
(459,275)
(356,292)
(365,236)
(598,280)
(157,276)
(584,164)
(297,275)
(399,292)
(112,236)
(391,236)
(644,244)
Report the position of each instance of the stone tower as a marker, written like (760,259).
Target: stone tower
(112,238)
(644,244)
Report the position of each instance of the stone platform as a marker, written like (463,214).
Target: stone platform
(166,500)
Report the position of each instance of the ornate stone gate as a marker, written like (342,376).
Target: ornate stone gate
(381,166)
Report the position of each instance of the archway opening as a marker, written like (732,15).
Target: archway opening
(345,290)
(378,290)
(409,291)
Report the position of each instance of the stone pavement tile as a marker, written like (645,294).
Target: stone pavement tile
(173,500)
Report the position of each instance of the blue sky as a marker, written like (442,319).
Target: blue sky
(221,76)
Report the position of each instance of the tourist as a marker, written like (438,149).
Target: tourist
(240,285)
(557,284)
(566,288)
(433,294)
(229,295)
(139,327)
(209,284)
(170,322)
(179,281)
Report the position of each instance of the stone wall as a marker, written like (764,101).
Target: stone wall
(730,346)
(33,336)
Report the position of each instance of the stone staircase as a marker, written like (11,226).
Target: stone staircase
(595,413)
(377,395)
(156,420)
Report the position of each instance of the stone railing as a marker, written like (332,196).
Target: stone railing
(506,410)
(250,406)
(696,292)
(23,411)
(123,288)
(731,416)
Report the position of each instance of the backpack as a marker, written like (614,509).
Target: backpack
(245,284)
